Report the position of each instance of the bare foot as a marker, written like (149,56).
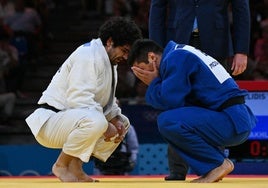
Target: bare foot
(76,168)
(63,173)
(69,169)
(216,174)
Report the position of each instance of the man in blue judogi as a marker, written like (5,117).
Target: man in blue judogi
(203,108)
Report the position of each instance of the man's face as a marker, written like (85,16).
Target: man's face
(118,54)
(147,71)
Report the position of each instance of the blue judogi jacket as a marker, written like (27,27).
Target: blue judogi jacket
(189,77)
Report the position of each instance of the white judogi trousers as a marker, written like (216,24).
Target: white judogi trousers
(79,132)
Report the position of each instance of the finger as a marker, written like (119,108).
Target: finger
(140,71)
(238,70)
(118,139)
(136,69)
(123,129)
(138,74)
(233,66)
(107,139)
(154,66)
(235,72)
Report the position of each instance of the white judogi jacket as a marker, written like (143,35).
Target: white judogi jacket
(83,81)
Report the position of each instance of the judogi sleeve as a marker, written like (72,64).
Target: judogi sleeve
(169,90)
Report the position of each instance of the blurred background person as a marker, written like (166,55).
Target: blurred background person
(25,23)
(261,53)
(8,60)
(6,9)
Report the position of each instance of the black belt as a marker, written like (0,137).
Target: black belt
(47,106)
(231,102)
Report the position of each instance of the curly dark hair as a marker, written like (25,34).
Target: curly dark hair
(122,31)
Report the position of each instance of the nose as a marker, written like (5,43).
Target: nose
(125,56)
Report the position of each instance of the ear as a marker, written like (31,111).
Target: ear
(151,57)
(109,42)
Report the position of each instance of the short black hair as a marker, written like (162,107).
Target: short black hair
(139,51)
(123,31)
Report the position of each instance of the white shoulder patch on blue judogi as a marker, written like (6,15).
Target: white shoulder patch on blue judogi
(214,66)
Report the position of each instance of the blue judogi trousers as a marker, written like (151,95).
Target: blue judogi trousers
(198,135)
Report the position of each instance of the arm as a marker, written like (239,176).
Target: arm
(241,25)
(118,123)
(168,90)
(145,76)
(157,21)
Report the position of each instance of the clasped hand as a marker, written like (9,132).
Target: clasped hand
(115,130)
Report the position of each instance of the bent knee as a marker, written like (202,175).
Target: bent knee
(167,125)
(94,124)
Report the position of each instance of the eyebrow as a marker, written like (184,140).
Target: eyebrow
(125,49)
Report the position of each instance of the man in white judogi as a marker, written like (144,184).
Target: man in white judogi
(78,110)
